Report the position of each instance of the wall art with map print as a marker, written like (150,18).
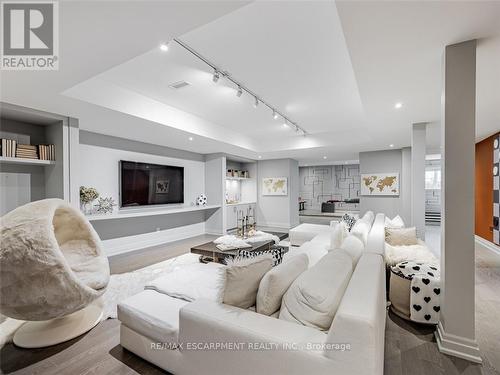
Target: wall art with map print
(275,186)
(380,184)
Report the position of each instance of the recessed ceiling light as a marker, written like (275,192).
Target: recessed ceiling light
(398,105)
(391,145)
(324,157)
(164,47)
(190,138)
(260,156)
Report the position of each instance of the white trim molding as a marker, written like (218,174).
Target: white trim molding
(487,244)
(123,245)
(457,346)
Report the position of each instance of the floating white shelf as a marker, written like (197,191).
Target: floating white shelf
(239,203)
(123,214)
(238,178)
(9,160)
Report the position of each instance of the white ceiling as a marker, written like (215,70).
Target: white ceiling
(335,68)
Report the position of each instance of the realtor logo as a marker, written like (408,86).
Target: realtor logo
(30,39)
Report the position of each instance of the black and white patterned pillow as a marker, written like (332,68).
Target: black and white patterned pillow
(349,221)
(277,254)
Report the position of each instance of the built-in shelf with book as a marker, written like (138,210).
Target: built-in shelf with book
(23,161)
(32,139)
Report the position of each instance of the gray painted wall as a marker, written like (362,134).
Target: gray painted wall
(105,178)
(380,162)
(280,212)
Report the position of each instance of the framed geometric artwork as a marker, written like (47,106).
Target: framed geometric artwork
(373,184)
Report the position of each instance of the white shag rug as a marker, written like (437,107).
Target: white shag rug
(120,287)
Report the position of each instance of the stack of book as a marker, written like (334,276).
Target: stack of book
(8,148)
(47,152)
(26,152)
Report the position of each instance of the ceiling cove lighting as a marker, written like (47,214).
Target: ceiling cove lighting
(221,73)
(164,47)
(398,105)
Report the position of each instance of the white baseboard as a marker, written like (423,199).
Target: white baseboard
(457,346)
(273,227)
(123,245)
(487,244)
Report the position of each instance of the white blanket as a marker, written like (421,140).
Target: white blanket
(418,253)
(238,242)
(193,281)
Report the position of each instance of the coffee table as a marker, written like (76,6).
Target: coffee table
(209,249)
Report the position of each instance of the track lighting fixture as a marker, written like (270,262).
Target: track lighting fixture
(216,76)
(218,71)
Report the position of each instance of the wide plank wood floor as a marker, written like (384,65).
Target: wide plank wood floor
(409,348)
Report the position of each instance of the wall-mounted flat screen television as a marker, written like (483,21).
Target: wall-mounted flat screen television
(144,184)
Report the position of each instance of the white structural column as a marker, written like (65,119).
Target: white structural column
(418,178)
(456,329)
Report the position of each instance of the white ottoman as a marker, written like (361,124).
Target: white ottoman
(306,232)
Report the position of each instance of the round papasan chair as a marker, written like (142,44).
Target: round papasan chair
(52,272)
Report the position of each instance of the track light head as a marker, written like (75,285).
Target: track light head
(275,115)
(256,103)
(285,124)
(239,92)
(216,76)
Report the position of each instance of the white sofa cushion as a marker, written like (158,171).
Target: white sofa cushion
(276,282)
(369,217)
(361,230)
(338,234)
(353,246)
(395,222)
(152,314)
(313,298)
(243,277)
(314,251)
(306,232)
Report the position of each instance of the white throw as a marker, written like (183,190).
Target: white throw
(238,242)
(193,281)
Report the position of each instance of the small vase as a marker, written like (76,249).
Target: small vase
(86,208)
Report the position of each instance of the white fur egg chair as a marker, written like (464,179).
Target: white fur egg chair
(52,271)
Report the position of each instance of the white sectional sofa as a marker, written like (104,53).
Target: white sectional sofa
(203,336)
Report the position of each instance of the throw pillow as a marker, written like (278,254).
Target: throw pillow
(314,297)
(339,232)
(401,236)
(353,246)
(348,220)
(395,222)
(277,254)
(361,230)
(276,282)
(243,277)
